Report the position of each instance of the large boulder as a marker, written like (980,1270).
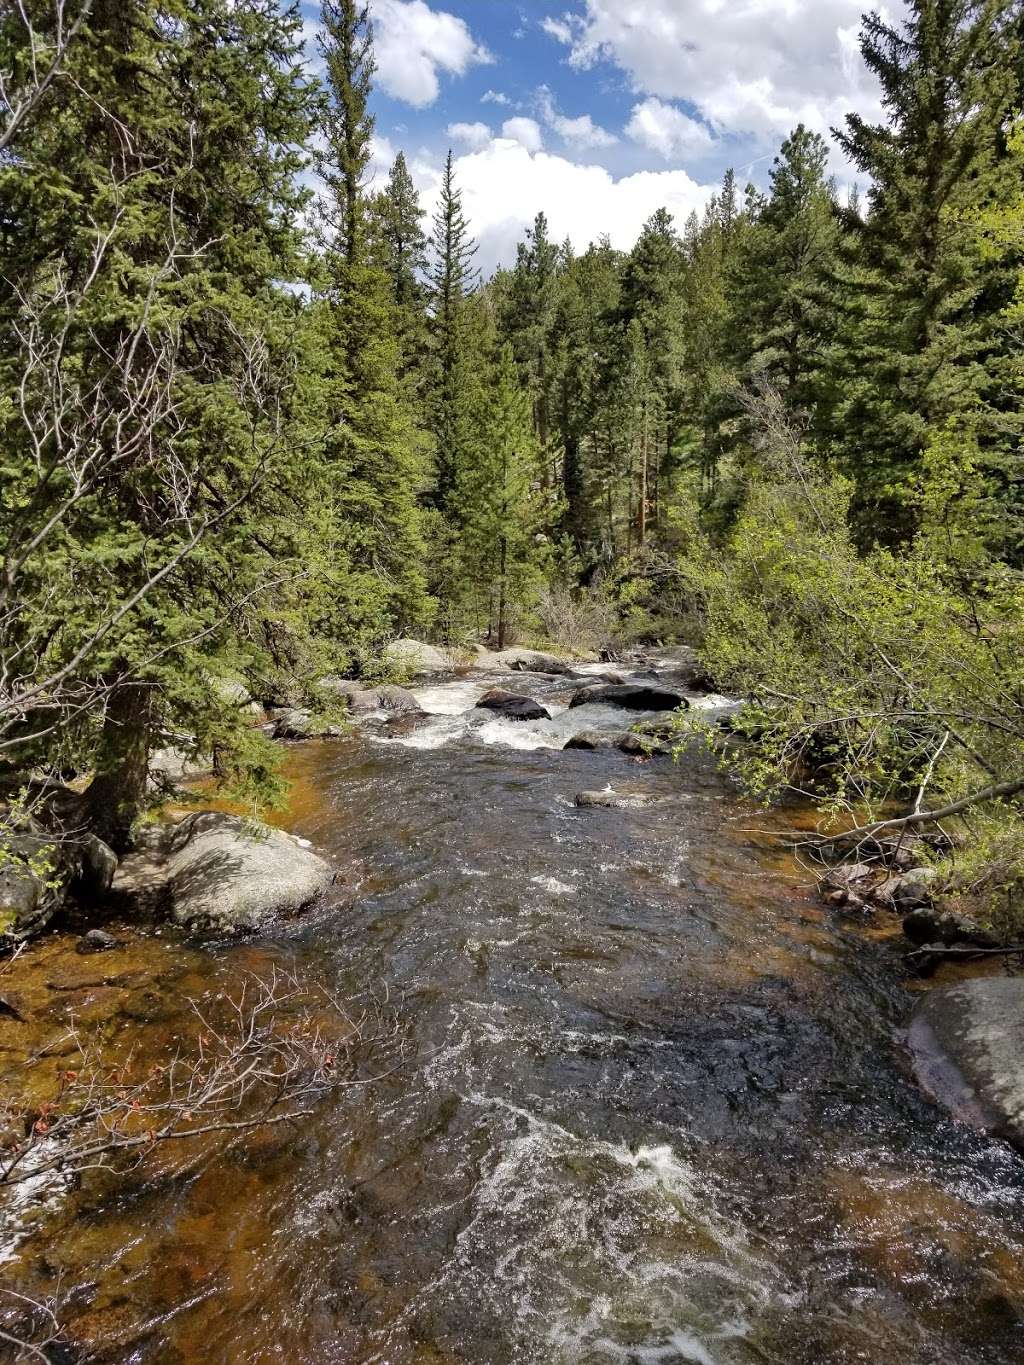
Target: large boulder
(41,864)
(529,661)
(416,657)
(220,871)
(512,706)
(968,1046)
(632,696)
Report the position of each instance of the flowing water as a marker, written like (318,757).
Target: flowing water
(655,1108)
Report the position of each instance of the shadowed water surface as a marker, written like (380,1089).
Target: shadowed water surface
(656,1106)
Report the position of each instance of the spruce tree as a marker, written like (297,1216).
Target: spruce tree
(781,294)
(451,278)
(500,508)
(151,291)
(373,448)
(400,247)
(921,295)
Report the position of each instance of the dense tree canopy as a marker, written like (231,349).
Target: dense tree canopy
(258,417)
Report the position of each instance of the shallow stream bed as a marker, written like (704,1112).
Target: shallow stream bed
(656,1107)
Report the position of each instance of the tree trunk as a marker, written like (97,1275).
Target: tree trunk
(117,794)
(641,511)
(502,603)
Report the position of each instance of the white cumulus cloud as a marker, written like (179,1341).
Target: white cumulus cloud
(525,131)
(755,67)
(494,97)
(414,43)
(475,135)
(580,132)
(504,186)
(664,129)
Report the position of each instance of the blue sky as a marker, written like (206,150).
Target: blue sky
(600,111)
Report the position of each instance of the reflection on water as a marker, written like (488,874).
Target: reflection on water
(656,1109)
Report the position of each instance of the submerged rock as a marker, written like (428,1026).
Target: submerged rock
(612,800)
(220,871)
(512,706)
(631,696)
(417,657)
(97,941)
(968,1046)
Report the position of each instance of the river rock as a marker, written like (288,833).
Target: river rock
(968,1047)
(930,925)
(171,765)
(530,661)
(97,865)
(97,941)
(915,889)
(681,663)
(631,696)
(296,723)
(512,706)
(643,746)
(415,656)
(592,740)
(398,700)
(612,800)
(220,871)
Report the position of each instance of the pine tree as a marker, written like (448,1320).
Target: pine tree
(781,294)
(152,297)
(921,296)
(500,511)
(400,247)
(451,277)
(373,447)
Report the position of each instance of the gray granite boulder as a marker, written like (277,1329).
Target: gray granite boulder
(968,1046)
(220,871)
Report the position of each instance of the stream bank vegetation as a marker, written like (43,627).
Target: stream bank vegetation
(259,418)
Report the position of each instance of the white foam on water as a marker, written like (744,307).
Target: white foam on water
(606,1251)
(553,885)
(24,1201)
(452,698)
